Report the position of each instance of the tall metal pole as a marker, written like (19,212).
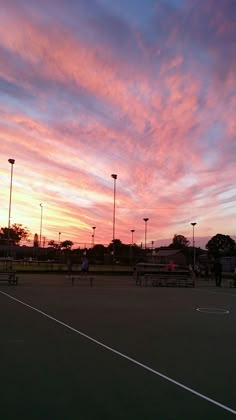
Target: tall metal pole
(194,260)
(93,235)
(11,161)
(132,237)
(114,176)
(145,220)
(41,224)
(59,239)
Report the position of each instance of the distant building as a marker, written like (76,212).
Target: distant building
(164,256)
(228,264)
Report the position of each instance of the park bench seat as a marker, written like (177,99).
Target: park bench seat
(80,278)
(169,279)
(9,276)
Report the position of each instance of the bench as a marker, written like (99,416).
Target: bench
(79,278)
(9,276)
(178,279)
(232,282)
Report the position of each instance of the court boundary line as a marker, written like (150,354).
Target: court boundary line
(124,356)
(215,293)
(214,311)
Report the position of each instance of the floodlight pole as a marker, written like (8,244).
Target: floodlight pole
(41,224)
(146,220)
(93,235)
(114,176)
(11,161)
(132,236)
(194,258)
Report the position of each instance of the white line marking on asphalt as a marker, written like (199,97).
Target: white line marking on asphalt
(216,293)
(124,356)
(213,311)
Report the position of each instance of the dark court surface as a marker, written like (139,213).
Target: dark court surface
(49,371)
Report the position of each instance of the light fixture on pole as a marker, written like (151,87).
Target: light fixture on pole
(145,220)
(132,236)
(11,161)
(41,224)
(93,235)
(193,224)
(59,239)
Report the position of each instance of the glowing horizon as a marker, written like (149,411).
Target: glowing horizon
(147,92)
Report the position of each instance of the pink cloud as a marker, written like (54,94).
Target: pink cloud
(93,115)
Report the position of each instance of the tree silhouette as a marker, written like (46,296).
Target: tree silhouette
(221,244)
(16,233)
(66,244)
(53,244)
(179,242)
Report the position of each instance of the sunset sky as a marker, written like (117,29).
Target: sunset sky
(142,89)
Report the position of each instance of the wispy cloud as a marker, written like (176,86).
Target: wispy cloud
(148,93)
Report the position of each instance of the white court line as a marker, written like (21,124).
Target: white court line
(124,356)
(213,311)
(215,293)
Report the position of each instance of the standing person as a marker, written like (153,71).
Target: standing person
(197,271)
(218,273)
(171,266)
(85,265)
(69,264)
(206,272)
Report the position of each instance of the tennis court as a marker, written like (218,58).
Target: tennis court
(119,352)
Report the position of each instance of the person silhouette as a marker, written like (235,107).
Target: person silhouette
(218,272)
(85,265)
